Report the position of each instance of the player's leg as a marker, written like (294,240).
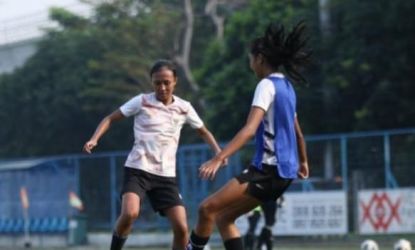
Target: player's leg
(253,219)
(212,206)
(265,238)
(225,220)
(178,221)
(130,209)
(134,187)
(165,198)
(269,209)
(249,238)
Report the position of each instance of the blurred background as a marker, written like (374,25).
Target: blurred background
(64,65)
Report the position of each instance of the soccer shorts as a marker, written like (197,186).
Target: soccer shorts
(162,192)
(265,184)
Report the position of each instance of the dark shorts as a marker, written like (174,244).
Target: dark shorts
(266,184)
(162,192)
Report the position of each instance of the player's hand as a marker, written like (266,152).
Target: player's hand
(224,162)
(303,170)
(208,169)
(89,145)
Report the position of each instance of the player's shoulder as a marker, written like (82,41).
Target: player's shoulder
(180,101)
(149,98)
(142,99)
(265,82)
(268,83)
(269,80)
(265,85)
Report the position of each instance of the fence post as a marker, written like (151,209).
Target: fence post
(343,156)
(113,188)
(390,180)
(77,168)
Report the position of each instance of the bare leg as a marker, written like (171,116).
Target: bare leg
(130,210)
(226,203)
(178,221)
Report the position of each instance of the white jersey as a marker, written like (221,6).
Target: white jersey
(157,131)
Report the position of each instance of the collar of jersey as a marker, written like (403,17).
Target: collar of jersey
(276,74)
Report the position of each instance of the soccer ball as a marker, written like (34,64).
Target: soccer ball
(369,245)
(402,244)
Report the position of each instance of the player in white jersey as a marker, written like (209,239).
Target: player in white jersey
(150,168)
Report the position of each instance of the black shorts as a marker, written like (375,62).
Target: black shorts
(162,192)
(266,184)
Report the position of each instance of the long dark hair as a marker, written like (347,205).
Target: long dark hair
(281,49)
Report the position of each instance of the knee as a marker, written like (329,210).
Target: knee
(180,230)
(129,216)
(207,209)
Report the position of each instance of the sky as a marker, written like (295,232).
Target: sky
(12,9)
(24,19)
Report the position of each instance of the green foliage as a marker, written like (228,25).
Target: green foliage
(362,72)
(82,70)
(228,82)
(361,77)
(369,62)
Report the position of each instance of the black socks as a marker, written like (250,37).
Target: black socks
(196,242)
(117,241)
(234,244)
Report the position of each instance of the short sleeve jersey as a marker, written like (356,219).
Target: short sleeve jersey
(157,131)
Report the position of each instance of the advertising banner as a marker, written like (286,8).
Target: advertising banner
(386,211)
(308,213)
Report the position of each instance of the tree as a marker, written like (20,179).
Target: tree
(85,68)
(228,81)
(81,71)
(369,62)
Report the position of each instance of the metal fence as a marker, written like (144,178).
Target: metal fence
(350,162)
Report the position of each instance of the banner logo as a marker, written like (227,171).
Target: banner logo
(380,211)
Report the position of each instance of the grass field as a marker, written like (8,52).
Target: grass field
(213,248)
(346,242)
(300,246)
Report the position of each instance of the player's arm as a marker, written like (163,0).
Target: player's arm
(195,122)
(208,169)
(209,139)
(245,134)
(302,151)
(103,127)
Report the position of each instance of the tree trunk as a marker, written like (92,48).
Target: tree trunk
(211,10)
(183,58)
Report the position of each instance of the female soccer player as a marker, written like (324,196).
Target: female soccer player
(279,140)
(151,165)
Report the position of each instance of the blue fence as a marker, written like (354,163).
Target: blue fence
(338,161)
